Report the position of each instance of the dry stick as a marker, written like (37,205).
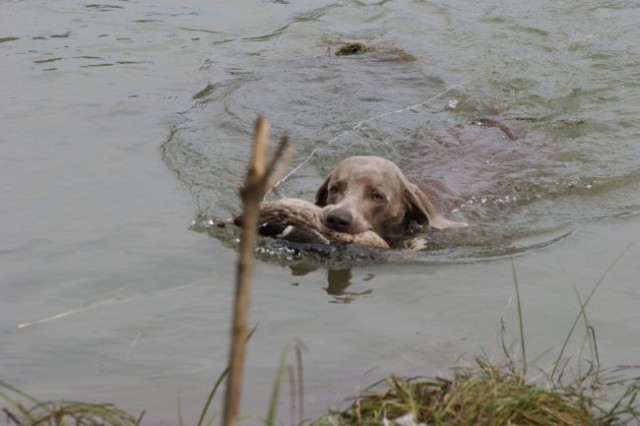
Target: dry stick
(251,194)
(253,191)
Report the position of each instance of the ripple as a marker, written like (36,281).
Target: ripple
(578,148)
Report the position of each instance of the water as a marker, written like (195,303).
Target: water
(123,122)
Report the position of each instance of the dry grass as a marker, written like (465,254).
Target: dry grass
(63,413)
(482,394)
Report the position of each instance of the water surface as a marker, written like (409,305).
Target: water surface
(126,128)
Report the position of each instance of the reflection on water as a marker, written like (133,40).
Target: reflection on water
(338,282)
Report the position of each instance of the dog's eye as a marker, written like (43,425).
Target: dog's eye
(376,196)
(333,189)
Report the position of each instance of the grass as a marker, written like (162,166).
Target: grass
(480,394)
(495,395)
(483,394)
(63,413)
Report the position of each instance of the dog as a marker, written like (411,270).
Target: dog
(370,193)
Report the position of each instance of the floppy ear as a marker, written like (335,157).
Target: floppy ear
(321,194)
(424,210)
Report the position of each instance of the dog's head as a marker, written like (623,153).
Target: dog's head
(369,193)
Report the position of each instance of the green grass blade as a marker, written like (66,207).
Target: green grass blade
(217,384)
(520,318)
(275,393)
(583,306)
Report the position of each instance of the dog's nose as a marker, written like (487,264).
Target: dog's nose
(339,219)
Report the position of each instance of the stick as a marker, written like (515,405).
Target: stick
(252,193)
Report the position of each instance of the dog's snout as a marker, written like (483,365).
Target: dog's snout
(339,219)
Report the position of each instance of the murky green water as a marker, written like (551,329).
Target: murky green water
(123,122)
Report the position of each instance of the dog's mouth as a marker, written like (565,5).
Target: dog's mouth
(343,220)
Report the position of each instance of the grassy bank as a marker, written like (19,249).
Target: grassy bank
(480,394)
(489,395)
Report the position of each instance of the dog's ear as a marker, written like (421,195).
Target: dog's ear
(322,193)
(422,209)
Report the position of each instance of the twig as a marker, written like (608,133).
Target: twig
(252,193)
